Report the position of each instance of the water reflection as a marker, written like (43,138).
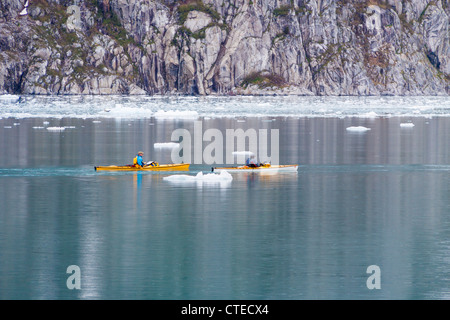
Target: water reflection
(380,197)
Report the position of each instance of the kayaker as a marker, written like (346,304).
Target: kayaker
(138,160)
(251,162)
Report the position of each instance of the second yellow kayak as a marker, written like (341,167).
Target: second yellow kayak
(160,167)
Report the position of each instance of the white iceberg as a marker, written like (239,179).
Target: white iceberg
(358,129)
(370,114)
(56,128)
(9,98)
(176,114)
(221,177)
(243,153)
(407,125)
(165,145)
(128,112)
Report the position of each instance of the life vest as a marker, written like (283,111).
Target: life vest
(138,161)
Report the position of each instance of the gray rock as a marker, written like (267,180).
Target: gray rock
(311,47)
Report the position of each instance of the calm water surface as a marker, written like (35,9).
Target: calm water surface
(379,197)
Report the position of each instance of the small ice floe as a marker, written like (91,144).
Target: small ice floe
(240,120)
(358,129)
(16,123)
(45,122)
(243,153)
(370,114)
(7,127)
(96,121)
(176,114)
(223,176)
(37,127)
(56,129)
(165,145)
(11,98)
(406,125)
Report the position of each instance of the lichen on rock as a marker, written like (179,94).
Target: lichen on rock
(311,47)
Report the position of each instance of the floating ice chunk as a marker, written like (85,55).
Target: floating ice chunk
(56,128)
(120,111)
(24,12)
(96,121)
(370,114)
(9,98)
(358,129)
(243,153)
(45,122)
(180,178)
(407,125)
(7,127)
(223,176)
(165,145)
(38,127)
(176,114)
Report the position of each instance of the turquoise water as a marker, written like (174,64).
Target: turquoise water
(379,197)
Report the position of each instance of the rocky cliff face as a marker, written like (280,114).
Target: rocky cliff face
(306,47)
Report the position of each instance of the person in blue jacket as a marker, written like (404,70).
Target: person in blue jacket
(138,160)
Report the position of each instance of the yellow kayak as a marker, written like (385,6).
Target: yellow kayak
(263,168)
(159,167)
